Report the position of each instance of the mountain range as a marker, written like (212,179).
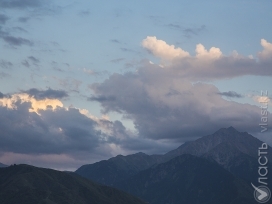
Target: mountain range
(233,154)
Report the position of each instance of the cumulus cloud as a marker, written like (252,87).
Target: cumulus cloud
(209,64)
(167,107)
(36,105)
(167,103)
(213,53)
(266,54)
(160,48)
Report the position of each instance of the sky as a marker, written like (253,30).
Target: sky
(83,81)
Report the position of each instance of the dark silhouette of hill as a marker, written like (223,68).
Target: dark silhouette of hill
(24,184)
(3,165)
(110,172)
(227,156)
(236,151)
(188,179)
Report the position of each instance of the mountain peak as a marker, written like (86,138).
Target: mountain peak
(231,128)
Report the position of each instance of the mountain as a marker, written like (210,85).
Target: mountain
(188,179)
(110,172)
(26,184)
(236,151)
(3,165)
(242,141)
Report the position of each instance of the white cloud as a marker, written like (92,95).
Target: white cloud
(209,64)
(213,53)
(266,54)
(161,49)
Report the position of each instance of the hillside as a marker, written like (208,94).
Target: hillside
(188,179)
(26,184)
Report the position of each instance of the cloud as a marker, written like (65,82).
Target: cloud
(209,64)
(201,52)
(266,54)
(17,41)
(192,111)
(34,131)
(20,4)
(169,103)
(23,19)
(34,59)
(115,41)
(5,64)
(174,26)
(101,98)
(3,75)
(3,18)
(189,32)
(231,94)
(2,95)
(36,104)
(46,94)
(160,48)
(17,28)
(26,63)
(117,60)
(84,13)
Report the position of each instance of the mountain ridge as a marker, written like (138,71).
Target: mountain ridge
(26,184)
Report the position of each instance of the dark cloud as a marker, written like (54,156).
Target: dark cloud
(3,18)
(14,41)
(23,19)
(61,134)
(231,94)
(189,32)
(34,59)
(3,33)
(52,132)
(5,64)
(17,41)
(127,50)
(49,93)
(163,105)
(17,28)
(84,13)
(3,75)
(174,26)
(115,41)
(2,95)
(117,60)
(20,4)
(101,98)
(26,63)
